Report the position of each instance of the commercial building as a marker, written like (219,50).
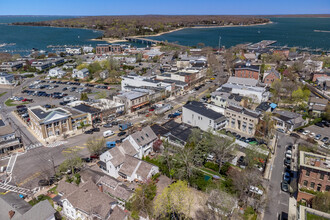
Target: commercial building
(109,49)
(94,114)
(6,79)
(197,115)
(11,66)
(134,80)
(314,174)
(8,139)
(55,122)
(247,71)
(242,121)
(225,99)
(132,100)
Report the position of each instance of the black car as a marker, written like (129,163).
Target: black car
(320,124)
(95,129)
(300,131)
(45,182)
(118,141)
(287,161)
(89,131)
(86,159)
(295,135)
(122,133)
(243,139)
(64,89)
(285,186)
(289,147)
(326,123)
(114,123)
(238,136)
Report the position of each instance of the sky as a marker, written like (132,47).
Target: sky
(164,7)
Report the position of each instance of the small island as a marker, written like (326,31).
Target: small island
(119,27)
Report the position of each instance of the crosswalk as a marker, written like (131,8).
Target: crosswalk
(16,189)
(11,163)
(32,146)
(56,144)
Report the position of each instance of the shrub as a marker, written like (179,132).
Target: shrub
(224,169)
(212,166)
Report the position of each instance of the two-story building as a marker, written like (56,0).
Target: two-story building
(270,76)
(6,79)
(224,99)
(94,114)
(241,120)
(197,115)
(247,71)
(56,72)
(11,66)
(8,139)
(317,106)
(80,74)
(314,174)
(132,100)
(288,121)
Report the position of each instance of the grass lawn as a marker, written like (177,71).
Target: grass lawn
(39,199)
(311,216)
(210,171)
(1,94)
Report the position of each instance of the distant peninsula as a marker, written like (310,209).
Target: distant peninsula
(118,27)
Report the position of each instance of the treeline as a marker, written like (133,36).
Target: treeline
(123,26)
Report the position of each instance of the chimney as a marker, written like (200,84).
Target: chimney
(100,187)
(11,214)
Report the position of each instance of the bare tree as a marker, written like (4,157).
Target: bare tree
(223,148)
(95,145)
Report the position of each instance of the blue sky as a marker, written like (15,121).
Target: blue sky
(180,7)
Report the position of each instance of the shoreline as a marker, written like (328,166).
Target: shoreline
(115,40)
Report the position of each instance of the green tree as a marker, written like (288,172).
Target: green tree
(83,96)
(72,162)
(94,67)
(82,125)
(142,200)
(298,95)
(95,145)
(175,200)
(321,202)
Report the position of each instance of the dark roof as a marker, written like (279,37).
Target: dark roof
(159,130)
(87,109)
(236,97)
(247,67)
(199,108)
(244,111)
(264,106)
(170,125)
(1,123)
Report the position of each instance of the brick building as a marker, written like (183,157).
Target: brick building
(314,174)
(108,49)
(247,71)
(270,76)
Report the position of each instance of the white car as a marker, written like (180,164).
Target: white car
(256,190)
(312,134)
(288,155)
(305,132)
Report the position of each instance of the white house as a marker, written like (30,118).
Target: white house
(122,161)
(56,72)
(80,74)
(6,79)
(196,114)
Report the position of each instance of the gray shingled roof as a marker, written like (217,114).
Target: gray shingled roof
(144,137)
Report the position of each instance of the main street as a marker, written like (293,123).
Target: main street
(278,201)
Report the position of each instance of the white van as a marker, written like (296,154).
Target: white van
(108,133)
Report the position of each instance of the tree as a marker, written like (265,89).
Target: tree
(222,149)
(220,203)
(95,145)
(298,95)
(185,156)
(82,125)
(276,89)
(321,202)
(83,96)
(72,163)
(175,201)
(142,200)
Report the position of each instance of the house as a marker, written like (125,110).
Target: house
(224,99)
(80,74)
(8,139)
(11,66)
(264,107)
(317,106)
(314,174)
(86,201)
(123,161)
(55,122)
(196,114)
(56,72)
(13,207)
(241,120)
(288,121)
(132,100)
(270,76)
(247,71)
(6,79)
(143,140)
(41,64)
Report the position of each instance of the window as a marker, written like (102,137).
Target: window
(210,121)
(142,138)
(147,135)
(305,182)
(327,188)
(312,185)
(322,176)
(307,172)
(319,187)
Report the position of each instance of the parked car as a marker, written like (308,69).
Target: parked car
(305,132)
(286,177)
(122,133)
(89,131)
(295,135)
(320,124)
(325,139)
(45,182)
(96,129)
(109,125)
(317,137)
(284,186)
(287,161)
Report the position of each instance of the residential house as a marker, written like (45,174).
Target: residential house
(8,139)
(265,107)
(13,207)
(56,72)
(317,106)
(247,71)
(132,100)
(270,76)
(196,114)
(86,201)
(80,74)
(123,161)
(241,120)
(288,121)
(41,64)
(52,123)
(11,66)
(294,56)
(314,174)
(6,79)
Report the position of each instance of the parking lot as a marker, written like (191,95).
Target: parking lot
(53,92)
(323,131)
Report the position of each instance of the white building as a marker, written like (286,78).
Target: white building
(313,66)
(56,72)
(80,74)
(135,80)
(6,79)
(197,115)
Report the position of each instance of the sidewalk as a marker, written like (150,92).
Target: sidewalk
(292,215)
(269,166)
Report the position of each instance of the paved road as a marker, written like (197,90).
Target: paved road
(278,201)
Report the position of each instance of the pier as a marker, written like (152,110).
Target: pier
(151,41)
